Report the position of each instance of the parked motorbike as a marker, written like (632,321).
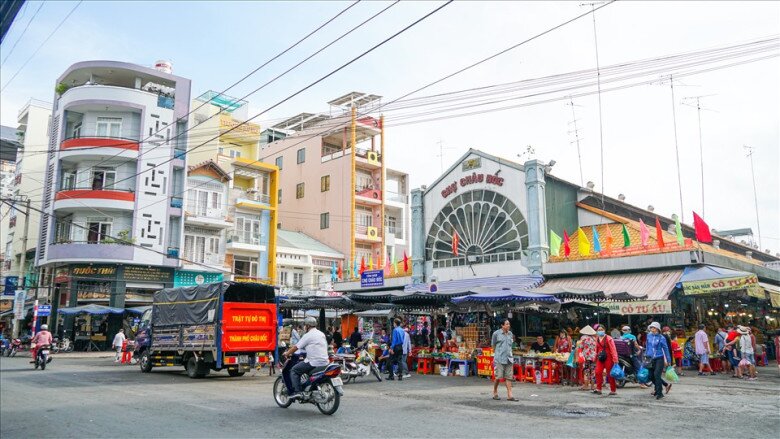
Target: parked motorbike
(322,386)
(623,349)
(64,345)
(13,348)
(42,357)
(355,366)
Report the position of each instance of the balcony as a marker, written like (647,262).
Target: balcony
(177,202)
(197,216)
(82,250)
(251,199)
(392,197)
(99,147)
(367,159)
(116,199)
(213,260)
(243,241)
(371,197)
(367,234)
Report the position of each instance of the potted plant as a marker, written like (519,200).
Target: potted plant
(61,88)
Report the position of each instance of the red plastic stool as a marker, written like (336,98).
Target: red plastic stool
(550,372)
(517,370)
(716,364)
(529,373)
(424,366)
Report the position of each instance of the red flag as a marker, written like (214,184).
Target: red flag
(455,242)
(340,272)
(659,234)
(406,262)
(566,246)
(362,264)
(702,229)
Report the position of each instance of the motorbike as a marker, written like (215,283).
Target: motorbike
(322,386)
(42,357)
(64,345)
(14,347)
(355,366)
(623,349)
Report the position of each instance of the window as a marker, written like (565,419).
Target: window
(324,220)
(390,222)
(103,178)
(68,180)
(283,278)
(77,131)
(216,202)
(247,230)
(325,183)
(364,181)
(301,155)
(279,163)
(245,266)
(204,203)
(298,280)
(299,190)
(98,231)
(109,126)
(364,216)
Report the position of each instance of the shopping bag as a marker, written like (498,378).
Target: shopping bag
(744,363)
(570,361)
(643,375)
(671,375)
(617,372)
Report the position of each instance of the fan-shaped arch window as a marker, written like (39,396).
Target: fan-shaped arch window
(490,229)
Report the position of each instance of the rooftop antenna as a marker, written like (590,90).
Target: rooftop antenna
(676,146)
(755,193)
(701,144)
(598,84)
(441,154)
(576,137)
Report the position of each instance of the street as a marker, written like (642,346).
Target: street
(94,397)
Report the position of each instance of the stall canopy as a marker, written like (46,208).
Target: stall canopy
(91,309)
(651,285)
(465,286)
(774,293)
(570,293)
(506,295)
(708,279)
(138,309)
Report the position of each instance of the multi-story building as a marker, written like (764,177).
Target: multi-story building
(305,265)
(9,145)
(111,229)
(350,202)
(230,216)
(32,134)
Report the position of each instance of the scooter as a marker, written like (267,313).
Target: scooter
(360,365)
(63,345)
(42,357)
(623,349)
(13,348)
(322,386)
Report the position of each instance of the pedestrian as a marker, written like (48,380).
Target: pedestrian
(355,339)
(425,333)
(384,339)
(563,343)
(295,335)
(396,350)
(119,338)
(503,361)
(677,352)
(440,337)
(636,350)
(720,341)
(748,351)
(384,358)
(730,349)
(540,345)
(615,333)
(702,342)
(588,352)
(657,352)
(407,349)
(606,357)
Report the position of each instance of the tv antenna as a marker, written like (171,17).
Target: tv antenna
(441,154)
(689,102)
(755,193)
(576,136)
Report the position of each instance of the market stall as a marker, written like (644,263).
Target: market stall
(90,327)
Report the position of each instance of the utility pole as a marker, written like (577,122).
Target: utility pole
(755,193)
(576,138)
(24,245)
(701,144)
(677,150)
(598,84)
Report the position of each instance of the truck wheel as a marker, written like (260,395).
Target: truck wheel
(145,362)
(235,373)
(193,370)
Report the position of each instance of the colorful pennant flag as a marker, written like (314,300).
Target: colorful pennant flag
(566,246)
(659,234)
(626,238)
(678,231)
(370,262)
(596,243)
(406,262)
(355,269)
(455,242)
(394,267)
(583,245)
(644,234)
(555,244)
(362,264)
(333,272)
(702,229)
(609,240)
(387,266)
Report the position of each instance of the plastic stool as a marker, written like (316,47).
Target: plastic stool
(517,371)
(763,358)
(530,373)
(686,362)
(716,364)
(424,366)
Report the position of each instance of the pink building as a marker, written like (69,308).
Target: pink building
(354,205)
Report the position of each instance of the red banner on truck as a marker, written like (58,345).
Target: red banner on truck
(248,327)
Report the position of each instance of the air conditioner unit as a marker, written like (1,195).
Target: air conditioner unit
(372,157)
(372,232)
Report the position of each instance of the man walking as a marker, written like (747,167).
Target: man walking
(407,349)
(119,338)
(396,350)
(503,361)
(702,345)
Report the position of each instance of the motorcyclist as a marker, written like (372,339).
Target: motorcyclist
(42,338)
(316,347)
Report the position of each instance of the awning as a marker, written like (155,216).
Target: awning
(651,285)
(506,295)
(464,286)
(567,292)
(376,313)
(91,309)
(774,293)
(708,279)
(138,309)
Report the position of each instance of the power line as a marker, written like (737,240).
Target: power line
(42,44)
(23,32)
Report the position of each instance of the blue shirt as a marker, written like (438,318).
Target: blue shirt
(398,337)
(407,343)
(657,347)
(628,336)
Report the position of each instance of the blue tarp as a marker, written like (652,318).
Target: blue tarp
(91,309)
(507,295)
(709,272)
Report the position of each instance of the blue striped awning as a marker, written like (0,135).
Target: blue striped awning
(474,285)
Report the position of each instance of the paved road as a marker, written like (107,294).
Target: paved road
(94,397)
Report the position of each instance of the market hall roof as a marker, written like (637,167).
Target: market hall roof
(651,285)
(470,285)
(482,154)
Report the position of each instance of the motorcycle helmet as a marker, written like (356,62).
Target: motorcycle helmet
(44,327)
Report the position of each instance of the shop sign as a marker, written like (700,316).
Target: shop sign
(472,179)
(6,304)
(184,278)
(60,275)
(11,283)
(372,278)
(19,299)
(640,307)
(719,285)
(44,310)
(775,298)
(471,164)
(484,365)
(93,271)
(148,274)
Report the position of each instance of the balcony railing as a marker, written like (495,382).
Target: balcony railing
(400,198)
(195,210)
(177,202)
(251,195)
(117,194)
(93,142)
(243,238)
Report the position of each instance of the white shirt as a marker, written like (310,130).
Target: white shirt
(294,337)
(119,338)
(316,347)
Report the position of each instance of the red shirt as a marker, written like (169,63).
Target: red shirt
(732,335)
(676,351)
(607,344)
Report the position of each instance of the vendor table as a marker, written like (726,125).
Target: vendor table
(469,365)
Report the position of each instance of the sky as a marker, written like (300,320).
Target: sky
(217,43)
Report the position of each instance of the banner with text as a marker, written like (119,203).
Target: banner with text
(640,307)
(720,285)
